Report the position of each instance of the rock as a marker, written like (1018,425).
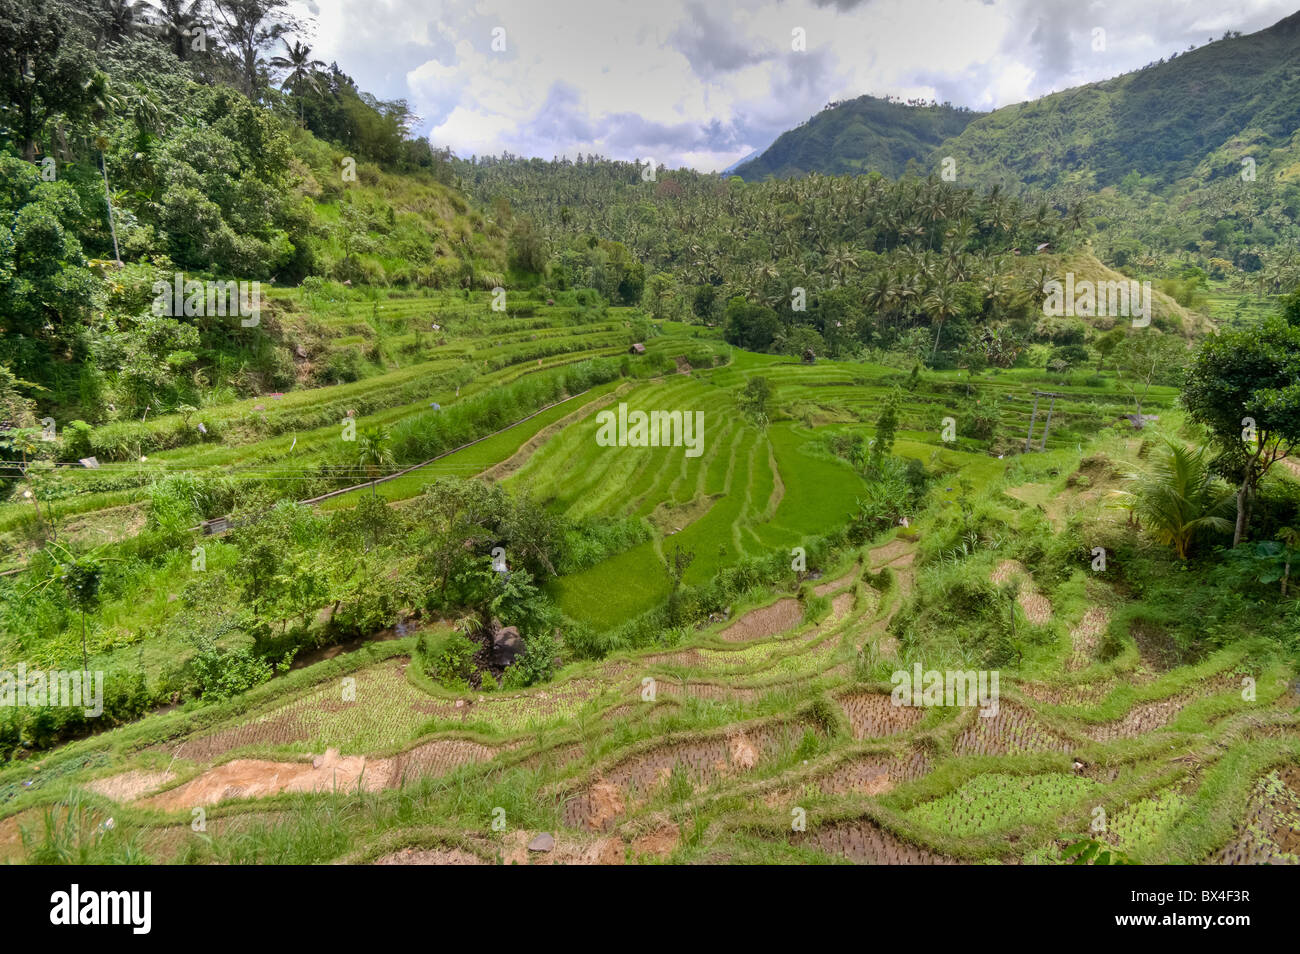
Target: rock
(507,644)
(543,842)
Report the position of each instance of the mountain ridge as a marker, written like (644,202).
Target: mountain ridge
(866,134)
(1165,120)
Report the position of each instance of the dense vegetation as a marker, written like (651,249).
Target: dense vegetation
(377,523)
(866,134)
(1188,162)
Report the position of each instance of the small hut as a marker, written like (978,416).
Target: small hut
(637,348)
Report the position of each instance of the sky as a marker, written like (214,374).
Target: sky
(704,84)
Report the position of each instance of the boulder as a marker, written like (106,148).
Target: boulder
(507,644)
(543,842)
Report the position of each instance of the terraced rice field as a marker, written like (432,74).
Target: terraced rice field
(767,732)
(813,762)
(275,436)
(750,492)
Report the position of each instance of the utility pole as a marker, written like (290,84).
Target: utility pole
(1033,417)
(1047,425)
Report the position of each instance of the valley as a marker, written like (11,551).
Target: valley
(590,511)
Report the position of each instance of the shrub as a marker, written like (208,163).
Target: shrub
(537,664)
(10,732)
(222,673)
(981,423)
(344,366)
(815,608)
(76,439)
(893,492)
(449,658)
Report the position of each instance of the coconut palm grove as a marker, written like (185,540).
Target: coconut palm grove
(923,489)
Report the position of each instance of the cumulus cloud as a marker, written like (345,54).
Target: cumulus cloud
(690,82)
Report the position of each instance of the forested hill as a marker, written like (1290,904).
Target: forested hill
(861,135)
(265,165)
(1196,115)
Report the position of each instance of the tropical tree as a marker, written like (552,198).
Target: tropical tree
(1245,387)
(43,70)
(81,578)
(1180,498)
(118,19)
(458,517)
(840,262)
(301,71)
(675,565)
(753,399)
(1146,357)
(250,27)
(374,455)
(179,24)
(886,428)
(942,303)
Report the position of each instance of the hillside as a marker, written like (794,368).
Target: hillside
(702,742)
(1167,121)
(1193,116)
(862,135)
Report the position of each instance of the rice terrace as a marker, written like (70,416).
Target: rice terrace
(406,502)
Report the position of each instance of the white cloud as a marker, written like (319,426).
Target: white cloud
(693,82)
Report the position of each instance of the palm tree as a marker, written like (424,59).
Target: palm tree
(907,292)
(1076,216)
(840,262)
(250,26)
(942,304)
(118,19)
(1180,498)
(878,292)
(302,70)
(373,453)
(177,23)
(997,291)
